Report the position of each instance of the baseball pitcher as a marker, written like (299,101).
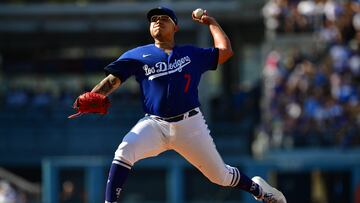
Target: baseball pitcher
(169,75)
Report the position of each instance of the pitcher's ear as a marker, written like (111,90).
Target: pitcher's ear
(177,28)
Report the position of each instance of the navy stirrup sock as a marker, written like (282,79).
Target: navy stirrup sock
(248,185)
(117,177)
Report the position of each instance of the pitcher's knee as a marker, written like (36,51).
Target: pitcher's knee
(126,153)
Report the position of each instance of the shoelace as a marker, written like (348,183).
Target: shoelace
(269,198)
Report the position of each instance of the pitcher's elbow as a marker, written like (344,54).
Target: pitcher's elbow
(225,55)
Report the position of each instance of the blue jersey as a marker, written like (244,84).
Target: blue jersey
(168,83)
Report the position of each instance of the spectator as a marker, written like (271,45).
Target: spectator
(7,193)
(17,97)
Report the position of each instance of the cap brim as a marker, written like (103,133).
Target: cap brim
(159,11)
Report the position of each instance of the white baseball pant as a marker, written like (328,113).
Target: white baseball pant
(189,137)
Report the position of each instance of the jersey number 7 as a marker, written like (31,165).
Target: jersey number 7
(188,78)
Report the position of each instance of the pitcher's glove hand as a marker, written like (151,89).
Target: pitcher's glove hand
(91,102)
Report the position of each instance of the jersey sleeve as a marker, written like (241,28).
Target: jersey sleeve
(123,67)
(208,58)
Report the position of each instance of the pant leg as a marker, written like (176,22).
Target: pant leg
(192,140)
(144,140)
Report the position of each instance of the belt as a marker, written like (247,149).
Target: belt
(179,117)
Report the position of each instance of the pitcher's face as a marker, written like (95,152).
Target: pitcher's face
(162,27)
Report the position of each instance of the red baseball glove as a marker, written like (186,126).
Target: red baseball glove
(91,102)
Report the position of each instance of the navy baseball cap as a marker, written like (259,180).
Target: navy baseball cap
(162,11)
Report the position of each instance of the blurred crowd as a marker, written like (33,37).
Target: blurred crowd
(46,92)
(59,1)
(312,98)
(294,16)
(20,97)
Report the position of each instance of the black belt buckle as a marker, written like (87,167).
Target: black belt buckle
(181,117)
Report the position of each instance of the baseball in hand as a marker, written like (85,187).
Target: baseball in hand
(198,13)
